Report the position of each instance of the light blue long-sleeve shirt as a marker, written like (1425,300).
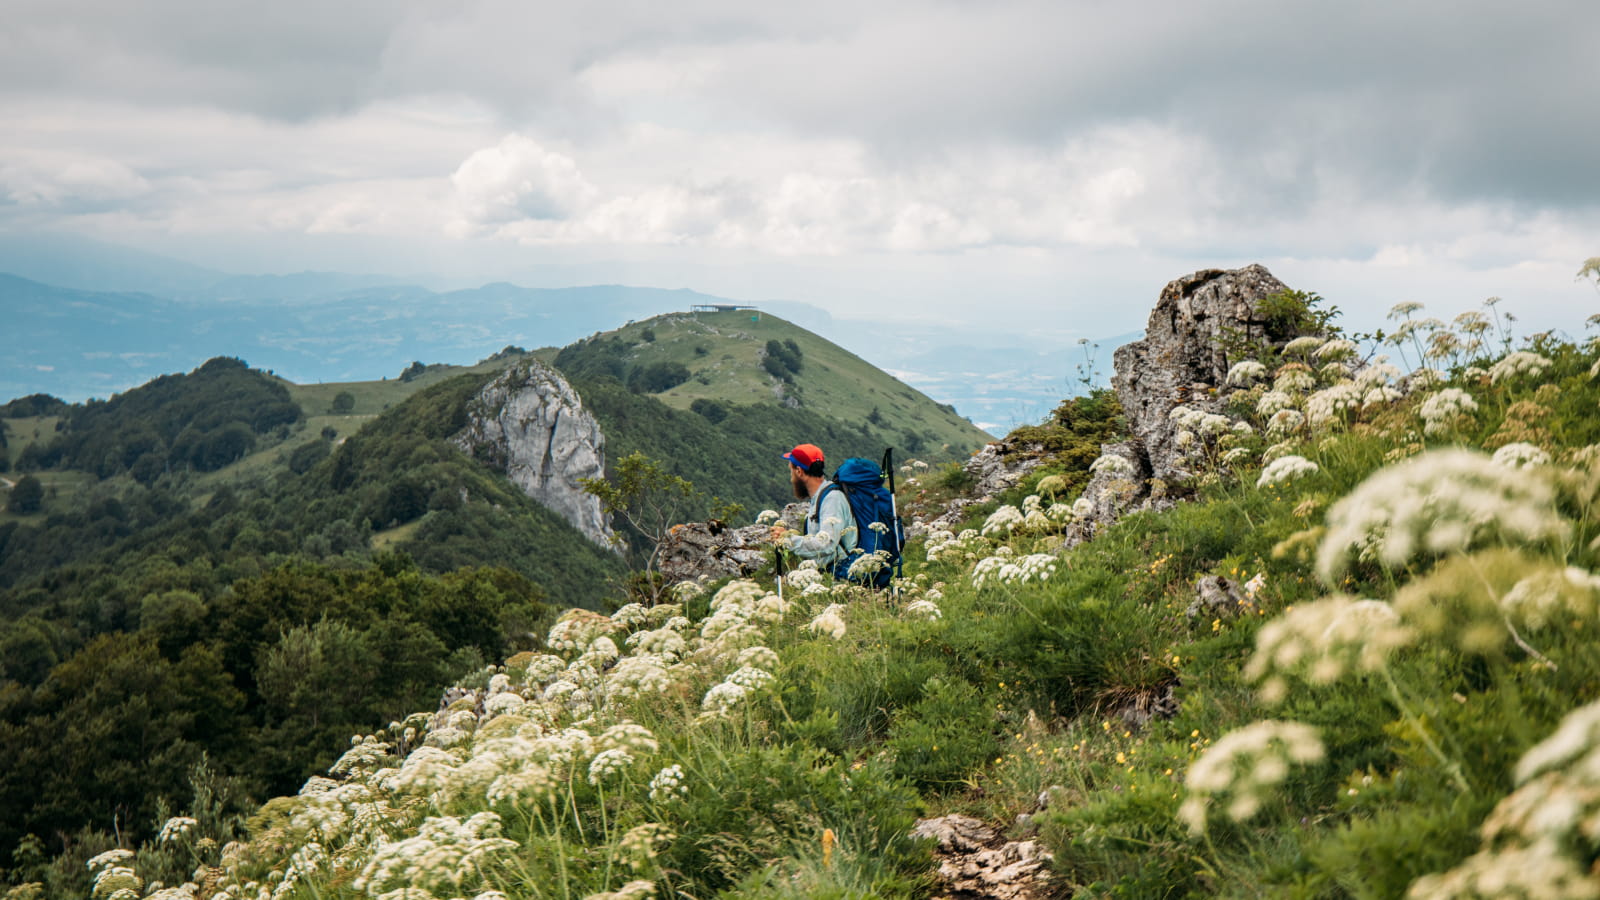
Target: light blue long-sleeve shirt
(830,532)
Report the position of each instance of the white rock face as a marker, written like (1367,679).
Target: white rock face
(531,424)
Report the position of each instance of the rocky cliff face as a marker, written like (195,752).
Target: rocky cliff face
(531,424)
(1180,359)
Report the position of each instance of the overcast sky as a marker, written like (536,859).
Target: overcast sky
(1044,166)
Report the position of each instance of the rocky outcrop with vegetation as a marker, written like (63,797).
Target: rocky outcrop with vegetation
(531,424)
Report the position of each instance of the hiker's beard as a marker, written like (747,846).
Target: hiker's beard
(801,492)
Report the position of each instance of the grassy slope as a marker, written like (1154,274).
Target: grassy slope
(832,381)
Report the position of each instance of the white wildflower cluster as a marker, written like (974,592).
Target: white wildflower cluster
(577,629)
(1285,422)
(113,875)
(1285,469)
(1378,383)
(669,784)
(1021,570)
(1003,521)
(1294,378)
(943,546)
(1114,465)
(768,517)
(1539,871)
(1380,373)
(1445,411)
(924,608)
(804,576)
(1519,364)
(1322,641)
(1273,402)
(1527,837)
(446,856)
(739,612)
(1553,594)
(829,622)
(1437,502)
(1246,373)
(631,615)
(1237,455)
(867,565)
(608,765)
(548,724)
(1333,405)
(1305,345)
(1520,455)
(1244,765)
(1335,350)
(175,828)
(1278,451)
(1196,421)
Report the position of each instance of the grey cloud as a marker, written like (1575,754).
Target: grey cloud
(1474,101)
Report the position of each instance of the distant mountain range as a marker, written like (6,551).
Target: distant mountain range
(88,319)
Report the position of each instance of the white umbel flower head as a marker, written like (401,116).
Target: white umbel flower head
(1285,469)
(1520,456)
(669,784)
(1245,765)
(829,622)
(1437,502)
(1113,465)
(1302,346)
(1444,411)
(1245,373)
(1322,641)
(1520,364)
(1333,404)
(1273,401)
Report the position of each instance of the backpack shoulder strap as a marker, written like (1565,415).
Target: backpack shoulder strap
(816,503)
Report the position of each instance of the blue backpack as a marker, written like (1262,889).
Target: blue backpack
(862,483)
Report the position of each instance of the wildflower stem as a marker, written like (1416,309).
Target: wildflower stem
(1450,766)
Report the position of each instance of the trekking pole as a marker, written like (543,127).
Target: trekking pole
(894,514)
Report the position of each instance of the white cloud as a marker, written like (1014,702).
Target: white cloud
(520,180)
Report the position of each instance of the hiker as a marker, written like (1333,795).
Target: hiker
(830,534)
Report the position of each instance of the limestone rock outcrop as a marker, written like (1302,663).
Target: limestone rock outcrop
(975,862)
(531,424)
(696,550)
(1180,359)
(994,469)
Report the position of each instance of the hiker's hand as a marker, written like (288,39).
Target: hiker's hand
(778,533)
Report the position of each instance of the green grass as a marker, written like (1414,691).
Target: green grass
(832,381)
(373,397)
(21,432)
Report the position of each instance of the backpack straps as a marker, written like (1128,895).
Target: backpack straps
(816,502)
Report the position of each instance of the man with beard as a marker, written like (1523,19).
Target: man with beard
(830,534)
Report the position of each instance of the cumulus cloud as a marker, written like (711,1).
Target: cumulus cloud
(518,180)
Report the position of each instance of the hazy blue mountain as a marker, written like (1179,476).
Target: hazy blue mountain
(90,265)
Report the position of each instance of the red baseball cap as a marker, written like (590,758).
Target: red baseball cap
(804,455)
